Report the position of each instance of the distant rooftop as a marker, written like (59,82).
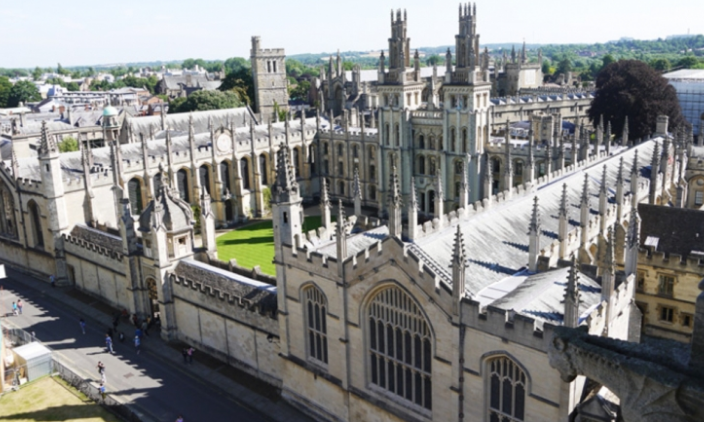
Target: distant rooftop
(686,74)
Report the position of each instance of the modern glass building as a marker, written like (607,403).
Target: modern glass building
(689,84)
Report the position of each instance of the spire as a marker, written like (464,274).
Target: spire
(412,211)
(47,144)
(585,190)
(325,204)
(394,189)
(563,223)
(563,201)
(609,259)
(341,235)
(572,296)
(458,271)
(632,243)
(608,138)
(534,237)
(285,187)
(603,198)
(394,206)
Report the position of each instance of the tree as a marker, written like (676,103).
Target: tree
(299,91)
(37,73)
(240,82)
(5,87)
(662,65)
(208,100)
(688,62)
(564,66)
(68,144)
(234,64)
(634,89)
(73,86)
(434,60)
(175,104)
(607,60)
(23,92)
(547,70)
(61,71)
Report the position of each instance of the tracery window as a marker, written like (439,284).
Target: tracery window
(400,347)
(507,390)
(134,191)
(316,311)
(262,169)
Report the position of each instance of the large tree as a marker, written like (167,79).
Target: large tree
(209,100)
(23,92)
(634,89)
(5,87)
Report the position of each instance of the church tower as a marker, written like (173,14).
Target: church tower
(269,76)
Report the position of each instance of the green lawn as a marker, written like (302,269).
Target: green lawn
(254,244)
(50,399)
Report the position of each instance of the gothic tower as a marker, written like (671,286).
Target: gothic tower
(269,76)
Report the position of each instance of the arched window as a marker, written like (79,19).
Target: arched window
(452,139)
(372,193)
(297,162)
(507,390)
(7,209)
(182,184)
(340,149)
(397,136)
(421,165)
(204,178)
(262,169)
(400,347)
(244,173)
(225,176)
(341,189)
(355,151)
(421,142)
(431,143)
(134,191)
(386,134)
(464,140)
(317,331)
(36,224)
(156,181)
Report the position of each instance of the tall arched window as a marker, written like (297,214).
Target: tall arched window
(297,162)
(156,181)
(36,224)
(182,184)
(464,140)
(244,173)
(397,136)
(400,347)
(421,142)
(507,390)
(317,330)
(134,191)
(453,137)
(225,176)
(204,178)
(262,169)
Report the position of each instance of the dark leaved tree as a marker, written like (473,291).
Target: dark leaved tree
(634,89)
(209,100)
(23,92)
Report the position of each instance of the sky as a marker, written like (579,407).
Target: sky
(83,32)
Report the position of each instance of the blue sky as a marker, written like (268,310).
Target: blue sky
(83,32)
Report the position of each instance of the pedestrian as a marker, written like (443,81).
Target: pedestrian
(134,320)
(190,354)
(121,336)
(138,332)
(34,336)
(110,332)
(179,419)
(14,308)
(101,371)
(19,305)
(52,280)
(184,353)
(108,343)
(101,389)
(145,327)
(82,323)
(137,343)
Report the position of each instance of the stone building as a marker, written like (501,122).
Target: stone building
(368,319)
(269,76)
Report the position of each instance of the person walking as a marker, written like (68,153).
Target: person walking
(145,328)
(137,343)
(52,280)
(191,350)
(19,306)
(101,371)
(82,323)
(184,353)
(108,343)
(138,332)
(14,308)
(101,389)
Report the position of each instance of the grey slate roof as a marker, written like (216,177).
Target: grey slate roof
(178,123)
(497,240)
(541,295)
(249,291)
(677,230)
(175,214)
(356,242)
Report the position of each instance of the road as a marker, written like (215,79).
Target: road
(159,387)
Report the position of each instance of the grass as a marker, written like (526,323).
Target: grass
(51,399)
(254,244)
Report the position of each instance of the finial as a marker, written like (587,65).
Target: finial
(458,253)
(563,201)
(602,188)
(585,190)
(534,227)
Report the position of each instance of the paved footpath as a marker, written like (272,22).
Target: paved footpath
(156,382)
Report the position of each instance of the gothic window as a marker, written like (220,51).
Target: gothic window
(7,212)
(341,189)
(432,167)
(262,169)
(316,314)
(134,191)
(325,148)
(225,176)
(507,390)
(421,165)
(459,166)
(326,167)
(397,136)
(297,162)
(371,154)
(421,142)
(182,184)
(268,66)
(386,133)
(464,140)
(400,351)
(156,181)
(355,151)
(372,192)
(440,143)
(452,139)
(204,179)
(518,165)
(36,224)
(274,63)
(431,143)
(244,173)
(495,165)
(341,168)
(372,172)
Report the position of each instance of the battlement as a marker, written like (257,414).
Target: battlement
(91,247)
(268,52)
(253,299)
(675,262)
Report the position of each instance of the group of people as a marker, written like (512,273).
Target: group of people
(17,307)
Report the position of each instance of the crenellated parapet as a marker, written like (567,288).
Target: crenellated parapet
(79,246)
(672,261)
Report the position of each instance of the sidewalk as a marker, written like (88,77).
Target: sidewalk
(257,396)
